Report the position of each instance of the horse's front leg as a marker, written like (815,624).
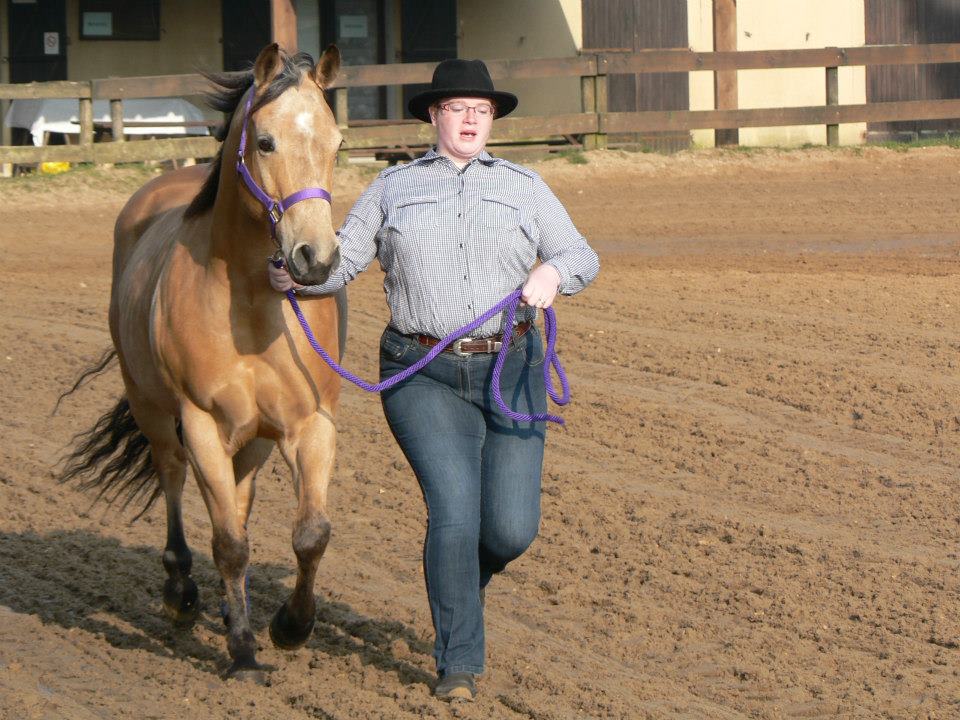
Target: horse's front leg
(213,467)
(310,456)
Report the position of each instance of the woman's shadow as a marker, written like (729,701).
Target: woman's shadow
(77,579)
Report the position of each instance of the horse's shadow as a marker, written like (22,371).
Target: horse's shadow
(77,579)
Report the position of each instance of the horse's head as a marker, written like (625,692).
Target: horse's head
(289,149)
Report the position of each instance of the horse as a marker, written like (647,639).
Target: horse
(215,367)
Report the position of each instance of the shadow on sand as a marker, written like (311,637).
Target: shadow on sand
(77,579)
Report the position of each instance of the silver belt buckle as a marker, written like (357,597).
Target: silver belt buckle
(457,344)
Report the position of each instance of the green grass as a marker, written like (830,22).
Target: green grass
(574,157)
(948,141)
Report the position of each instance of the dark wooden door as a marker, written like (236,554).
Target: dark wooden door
(358,29)
(246,31)
(912,22)
(37,38)
(428,33)
(631,25)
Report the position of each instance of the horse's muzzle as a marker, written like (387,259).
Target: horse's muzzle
(307,268)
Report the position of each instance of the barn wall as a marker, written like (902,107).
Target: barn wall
(508,30)
(189,40)
(783,24)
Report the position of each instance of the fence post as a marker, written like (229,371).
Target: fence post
(588,104)
(833,98)
(6,169)
(116,120)
(725,88)
(86,125)
(601,95)
(341,111)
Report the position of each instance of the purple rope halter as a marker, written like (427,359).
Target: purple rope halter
(275,208)
(509,303)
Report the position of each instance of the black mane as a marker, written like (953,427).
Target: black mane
(229,88)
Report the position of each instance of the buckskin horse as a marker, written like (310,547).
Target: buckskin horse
(215,366)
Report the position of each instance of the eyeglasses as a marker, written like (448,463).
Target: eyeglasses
(483,109)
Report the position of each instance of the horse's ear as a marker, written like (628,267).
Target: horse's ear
(326,69)
(268,65)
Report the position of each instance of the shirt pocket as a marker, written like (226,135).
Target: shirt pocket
(417,213)
(497,211)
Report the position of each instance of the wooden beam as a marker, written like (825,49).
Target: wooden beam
(507,129)
(149,87)
(413,73)
(61,89)
(687,60)
(725,91)
(136,151)
(283,24)
(779,117)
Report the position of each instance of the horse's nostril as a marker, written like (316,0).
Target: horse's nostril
(306,256)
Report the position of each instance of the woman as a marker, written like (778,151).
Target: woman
(455,232)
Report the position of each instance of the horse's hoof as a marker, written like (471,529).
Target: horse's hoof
(247,672)
(284,632)
(182,606)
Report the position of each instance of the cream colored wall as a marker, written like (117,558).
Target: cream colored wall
(783,24)
(189,40)
(518,29)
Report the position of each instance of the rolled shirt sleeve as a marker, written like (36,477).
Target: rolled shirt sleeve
(358,240)
(560,244)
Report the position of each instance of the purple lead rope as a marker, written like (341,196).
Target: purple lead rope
(509,304)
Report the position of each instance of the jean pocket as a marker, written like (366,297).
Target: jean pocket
(532,347)
(393,347)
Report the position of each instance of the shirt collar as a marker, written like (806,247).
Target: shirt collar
(484,157)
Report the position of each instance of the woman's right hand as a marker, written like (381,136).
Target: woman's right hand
(280,279)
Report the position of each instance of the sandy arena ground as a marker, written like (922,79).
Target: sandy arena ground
(753,514)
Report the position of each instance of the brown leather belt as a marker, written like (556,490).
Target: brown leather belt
(468,346)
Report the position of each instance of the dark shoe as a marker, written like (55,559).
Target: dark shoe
(456,686)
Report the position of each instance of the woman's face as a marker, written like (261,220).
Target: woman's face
(462,137)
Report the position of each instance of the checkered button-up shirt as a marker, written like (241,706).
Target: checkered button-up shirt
(454,243)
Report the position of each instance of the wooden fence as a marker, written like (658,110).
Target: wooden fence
(591,125)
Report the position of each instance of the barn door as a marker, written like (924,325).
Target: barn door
(631,25)
(37,38)
(246,31)
(428,34)
(912,22)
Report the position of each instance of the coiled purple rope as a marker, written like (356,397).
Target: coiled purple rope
(509,304)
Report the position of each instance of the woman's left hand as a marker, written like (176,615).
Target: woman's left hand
(541,286)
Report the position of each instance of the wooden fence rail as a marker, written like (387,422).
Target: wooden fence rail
(592,124)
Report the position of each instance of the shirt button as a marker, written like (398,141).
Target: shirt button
(464,277)
(461,246)
(459,214)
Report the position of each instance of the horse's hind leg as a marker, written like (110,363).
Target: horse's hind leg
(180,595)
(310,458)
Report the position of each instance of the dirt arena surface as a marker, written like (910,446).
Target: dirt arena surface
(753,513)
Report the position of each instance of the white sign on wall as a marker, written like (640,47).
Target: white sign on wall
(51,43)
(97,24)
(353,26)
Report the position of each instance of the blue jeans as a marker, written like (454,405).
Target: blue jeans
(479,472)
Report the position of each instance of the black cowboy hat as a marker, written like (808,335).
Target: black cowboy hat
(460,78)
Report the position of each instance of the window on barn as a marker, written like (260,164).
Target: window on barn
(119,19)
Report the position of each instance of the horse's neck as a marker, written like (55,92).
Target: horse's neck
(239,244)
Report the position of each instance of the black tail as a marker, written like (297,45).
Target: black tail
(116,447)
(109,355)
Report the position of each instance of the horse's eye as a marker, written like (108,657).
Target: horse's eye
(265,144)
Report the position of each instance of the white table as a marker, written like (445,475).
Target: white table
(62,116)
